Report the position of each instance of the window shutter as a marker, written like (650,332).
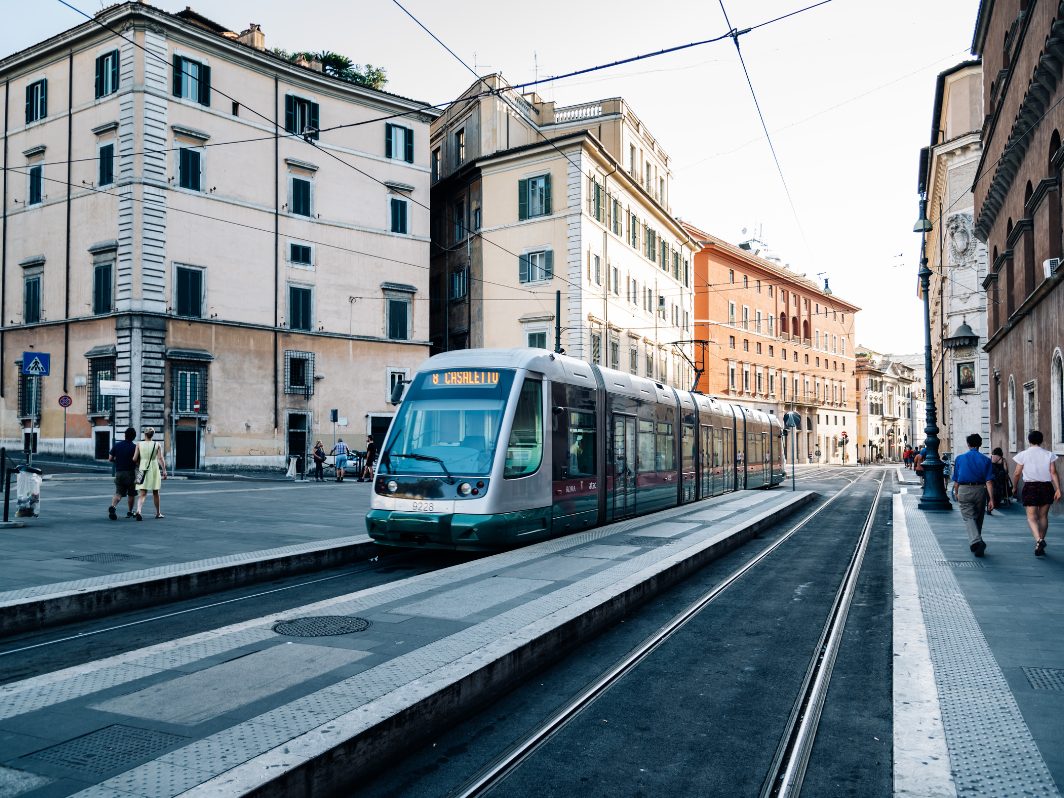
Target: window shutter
(389,133)
(290,113)
(205,85)
(314,120)
(548,263)
(546,194)
(179,67)
(525,269)
(522,200)
(29,104)
(44,99)
(99,77)
(114,70)
(409,154)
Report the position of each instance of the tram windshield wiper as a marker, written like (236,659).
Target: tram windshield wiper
(386,457)
(431,459)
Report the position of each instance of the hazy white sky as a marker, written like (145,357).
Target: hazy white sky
(846,90)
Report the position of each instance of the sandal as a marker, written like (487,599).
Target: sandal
(160,515)
(138,516)
(1040,548)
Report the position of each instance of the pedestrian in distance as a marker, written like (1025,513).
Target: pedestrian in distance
(973,490)
(149,461)
(1041,487)
(1002,485)
(319,461)
(121,455)
(370,461)
(918,464)
(340,450)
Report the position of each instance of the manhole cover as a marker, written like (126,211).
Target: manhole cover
(321,626)
(1045,678)
(105,556)
(960,563)
(112,749)
(647,542)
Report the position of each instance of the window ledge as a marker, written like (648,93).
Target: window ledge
(106,127)
(190,132)
(33,152)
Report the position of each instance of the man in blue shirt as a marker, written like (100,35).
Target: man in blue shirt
(973,490)
(125,473)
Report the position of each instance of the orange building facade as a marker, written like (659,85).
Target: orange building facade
(774,340)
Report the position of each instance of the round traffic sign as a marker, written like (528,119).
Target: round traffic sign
(65,401)
(195,406)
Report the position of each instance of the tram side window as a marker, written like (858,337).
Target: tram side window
(646,445)
(688,451)
(581,444)
(524,452)
(665,459)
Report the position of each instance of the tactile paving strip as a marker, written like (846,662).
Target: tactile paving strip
(1045,678)
(108,750)
(105,556)
(991,749)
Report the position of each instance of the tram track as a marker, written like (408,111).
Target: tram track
(784,777)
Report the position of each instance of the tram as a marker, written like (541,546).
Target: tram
(496,448)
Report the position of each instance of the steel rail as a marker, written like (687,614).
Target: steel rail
(792,756)
(505,763)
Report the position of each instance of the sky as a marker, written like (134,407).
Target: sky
(846,91)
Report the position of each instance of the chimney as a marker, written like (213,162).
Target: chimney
(827,288)
(253,37)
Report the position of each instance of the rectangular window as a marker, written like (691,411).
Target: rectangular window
(399,143)
(189,292)
(757,321)
(633,229)
(436,164)
(300,307)
(616,217)
(103,287)
(189,393)
(650,365)
(731,376)
(36,101)
(731,313)
(36,190)
(596,348)
(596,269)
(107,74)
(399,319)
(192,80)
(301,254)
(533,197)
(190,169)
(301,197)
(102,368)
(459,221)
(29,394)
(459,283)
(31,299)
(615,280)
(536,266)
(537,339)
(459,148)
(301,116)
(398,208)
(106,173)
(633,359)
(615,354)
(299,372)
(597,206)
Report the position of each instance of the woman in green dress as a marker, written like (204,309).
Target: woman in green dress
(149,457)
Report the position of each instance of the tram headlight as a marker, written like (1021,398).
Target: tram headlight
(465,489)
(393,486)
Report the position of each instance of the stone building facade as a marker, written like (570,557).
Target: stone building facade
(773,339)
(531,202)
(191,215)
(887,406)
(1018,214)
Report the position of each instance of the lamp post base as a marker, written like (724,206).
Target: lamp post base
(934,497)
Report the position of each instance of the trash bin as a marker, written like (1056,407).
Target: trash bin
(28,492)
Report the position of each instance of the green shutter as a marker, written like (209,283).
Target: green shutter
(114,70)
(388,134)
(525,269)
(548,261)
(179,68)
(546,193)
(29,103)
(290,113)
(205,85)
(409,154)
(315,120)
(99,77)
(522,199)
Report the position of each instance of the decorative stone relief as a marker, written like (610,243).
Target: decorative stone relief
(960,235)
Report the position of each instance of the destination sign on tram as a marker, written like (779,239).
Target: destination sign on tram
(464,378)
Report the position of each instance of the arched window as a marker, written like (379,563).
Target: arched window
(1012,413)
(783,324)
(805,329)
(1054,145)
(1056,391)
(1027,192)
(794,328)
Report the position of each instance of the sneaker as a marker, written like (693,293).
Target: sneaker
(130,514)
(112,514)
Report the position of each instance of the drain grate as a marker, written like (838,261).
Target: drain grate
(321,626)
(1045,678)
(959,563)
(105,556)
(647,542)
(113,749)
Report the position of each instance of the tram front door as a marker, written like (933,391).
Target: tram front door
(623,465)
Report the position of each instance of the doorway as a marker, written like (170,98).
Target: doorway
(102,444)
(186,449)
(298,423)
(623,460)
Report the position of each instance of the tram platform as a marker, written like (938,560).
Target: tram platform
(978,655)
(282,705)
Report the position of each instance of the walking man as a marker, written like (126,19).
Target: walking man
(125,473)
(1041,487)
(973,490)
(340,450)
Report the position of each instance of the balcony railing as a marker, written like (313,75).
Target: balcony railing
(575,112)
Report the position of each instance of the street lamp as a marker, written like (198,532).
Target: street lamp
(934,495)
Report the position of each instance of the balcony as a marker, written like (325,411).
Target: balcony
(574,113)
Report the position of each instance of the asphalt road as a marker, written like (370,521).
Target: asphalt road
(703,715)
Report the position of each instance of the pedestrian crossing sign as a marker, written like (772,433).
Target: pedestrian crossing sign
(36,364)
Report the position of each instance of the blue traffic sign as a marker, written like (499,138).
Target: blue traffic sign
(36,364)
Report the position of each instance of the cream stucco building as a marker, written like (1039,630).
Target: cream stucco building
(530,200)
(242,239)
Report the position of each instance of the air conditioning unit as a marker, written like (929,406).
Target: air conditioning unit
(1051,266)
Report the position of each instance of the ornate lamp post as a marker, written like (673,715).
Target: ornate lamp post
(934,496)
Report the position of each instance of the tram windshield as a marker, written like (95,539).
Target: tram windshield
(448,424)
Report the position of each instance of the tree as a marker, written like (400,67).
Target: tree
(339,66)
